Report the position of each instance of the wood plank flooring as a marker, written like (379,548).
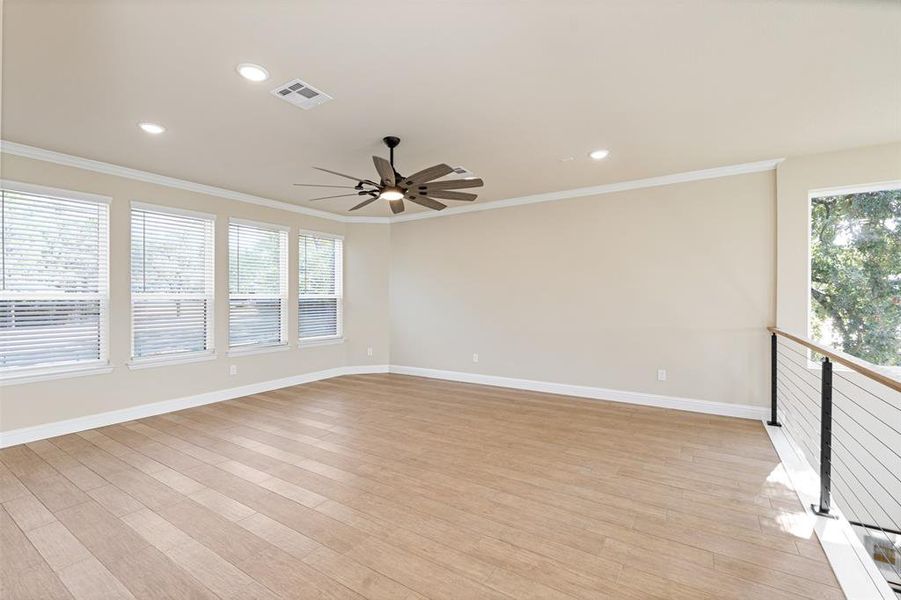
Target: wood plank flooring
(401,488)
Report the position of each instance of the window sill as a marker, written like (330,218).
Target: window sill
(49,374)
(251,350)
(321,341)
(148,363)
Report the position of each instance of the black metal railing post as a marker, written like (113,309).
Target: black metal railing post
(774,421)
(825,441)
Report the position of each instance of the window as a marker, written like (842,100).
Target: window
(855,267)
(54,283)
(320,265)
(171,283)
(257,284)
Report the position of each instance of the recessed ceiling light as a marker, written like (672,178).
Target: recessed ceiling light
(599,154)
(252,72)
(152,128)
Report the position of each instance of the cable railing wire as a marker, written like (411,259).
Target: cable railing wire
(877,417)
(814,425)
(888,469)
(878,439)
(801,394)
(812,412)
(851,471)
(857,385)
(805,431)
(805,373)
(846,505)
(818,413)
(860,483)
(841,496)
(835,439)
(803,355)
(856,518)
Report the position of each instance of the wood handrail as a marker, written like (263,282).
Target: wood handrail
(855,364)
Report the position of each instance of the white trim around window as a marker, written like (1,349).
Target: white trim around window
(49,374)
(320,300)
(172,210)
(854,189)
(257,286)
(52,192)
(56,318)
(168,361)
(326,340)
(251,350)
(172,285)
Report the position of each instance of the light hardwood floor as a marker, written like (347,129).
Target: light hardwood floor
(393,487)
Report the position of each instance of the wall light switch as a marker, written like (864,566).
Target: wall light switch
(661,374)
(475,358)
(233,369)
(369,351)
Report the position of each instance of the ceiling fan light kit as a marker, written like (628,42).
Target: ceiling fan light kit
(420,188)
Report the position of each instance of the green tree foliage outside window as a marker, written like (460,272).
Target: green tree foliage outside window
(856,274)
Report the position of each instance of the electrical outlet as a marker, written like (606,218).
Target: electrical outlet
(369,351)
(233,369)
(661,374)
(475,357)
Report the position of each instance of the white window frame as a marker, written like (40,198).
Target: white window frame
(338,337)
(94,367)
(880,186)
(284,240)
(210,250)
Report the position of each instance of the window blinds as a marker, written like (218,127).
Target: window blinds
(320,283)
(54,284)
(171,282)
(257,284)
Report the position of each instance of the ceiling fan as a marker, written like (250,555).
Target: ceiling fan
(419,188)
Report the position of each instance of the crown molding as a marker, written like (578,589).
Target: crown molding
(69,160)
(621,186)
(608,188)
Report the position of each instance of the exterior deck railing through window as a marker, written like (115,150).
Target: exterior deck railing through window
(845,416)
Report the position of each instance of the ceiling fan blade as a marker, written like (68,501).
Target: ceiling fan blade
(327,197)
(365,202)
(397,206)
(452,184)
(386,171)
(427,202)
(449,195)
(351,177)
(429,174)
(350,187)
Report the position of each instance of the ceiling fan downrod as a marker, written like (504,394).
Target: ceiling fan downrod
(392,142)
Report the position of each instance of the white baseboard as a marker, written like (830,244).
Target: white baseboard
(744,411)
(856,573)
(40,432)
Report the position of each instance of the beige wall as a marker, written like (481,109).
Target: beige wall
(366,306)
(796,178)
(599,291)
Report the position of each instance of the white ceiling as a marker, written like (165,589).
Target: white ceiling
(505,88)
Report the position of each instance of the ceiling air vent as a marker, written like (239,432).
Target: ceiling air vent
(464,173)
(300,93)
